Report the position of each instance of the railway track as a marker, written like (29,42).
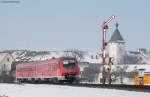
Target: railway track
(138,88)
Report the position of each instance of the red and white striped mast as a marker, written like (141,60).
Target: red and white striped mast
(104,43)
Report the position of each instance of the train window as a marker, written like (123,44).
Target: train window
(55,67)
(51,67)
(46,67)
(24,69)
(69,66)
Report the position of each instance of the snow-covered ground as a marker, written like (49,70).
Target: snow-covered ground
(40,90)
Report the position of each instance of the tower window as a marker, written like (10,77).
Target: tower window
(8,59)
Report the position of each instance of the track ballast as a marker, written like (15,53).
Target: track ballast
(139,88)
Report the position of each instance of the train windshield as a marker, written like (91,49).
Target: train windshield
(69,65)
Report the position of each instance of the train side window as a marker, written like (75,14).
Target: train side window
(46,67)
(51,67)
(55,66)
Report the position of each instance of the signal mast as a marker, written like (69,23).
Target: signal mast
(104,43)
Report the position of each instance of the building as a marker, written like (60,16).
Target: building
(117,47)
(6,60)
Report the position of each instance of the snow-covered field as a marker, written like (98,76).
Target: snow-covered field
(40,90)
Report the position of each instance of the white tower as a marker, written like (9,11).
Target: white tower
(117,47)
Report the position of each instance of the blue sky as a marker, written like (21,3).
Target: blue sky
(66,24)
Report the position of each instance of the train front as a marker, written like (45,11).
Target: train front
(70,69)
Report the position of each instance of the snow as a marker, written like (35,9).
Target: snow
(44,90)
(132,67)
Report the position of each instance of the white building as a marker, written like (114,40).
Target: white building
(117,47)
(6,60)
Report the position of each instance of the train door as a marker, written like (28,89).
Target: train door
(56,70)
(51,70)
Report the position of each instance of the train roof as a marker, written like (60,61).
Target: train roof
(54,59)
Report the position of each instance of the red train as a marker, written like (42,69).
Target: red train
(56,70)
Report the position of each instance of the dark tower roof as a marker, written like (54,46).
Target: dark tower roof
(116,37)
